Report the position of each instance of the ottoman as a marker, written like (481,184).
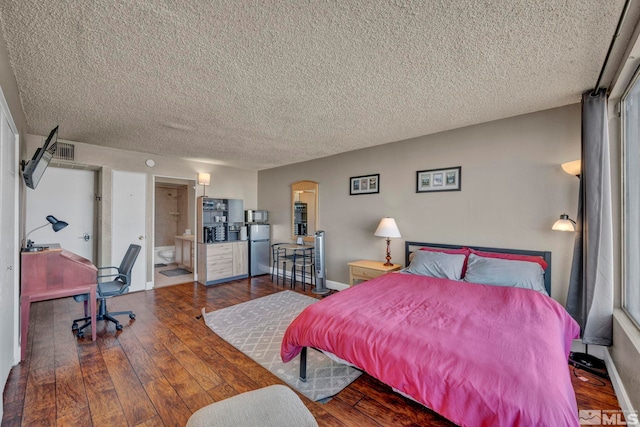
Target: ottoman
(275,406)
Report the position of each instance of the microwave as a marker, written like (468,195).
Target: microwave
(256,215)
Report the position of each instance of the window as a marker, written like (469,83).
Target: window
(630,107)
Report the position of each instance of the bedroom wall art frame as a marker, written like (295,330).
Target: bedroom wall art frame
(436,180)
(366,184)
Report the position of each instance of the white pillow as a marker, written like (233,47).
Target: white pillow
(436,264)
(505,272)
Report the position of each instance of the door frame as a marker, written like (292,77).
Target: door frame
(191,185)
(4,107)
(117,238)
(95,234)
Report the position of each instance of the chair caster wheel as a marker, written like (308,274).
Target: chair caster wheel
(118,327)
(132,316)
(74,327)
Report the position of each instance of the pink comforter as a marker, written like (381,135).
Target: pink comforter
(478,355)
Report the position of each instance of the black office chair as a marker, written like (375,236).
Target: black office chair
(118,285)
(303,259)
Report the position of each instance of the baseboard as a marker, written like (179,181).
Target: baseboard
(595,350)
(618,386)
(336,286)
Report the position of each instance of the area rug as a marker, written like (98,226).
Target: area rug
(175,272)
(256,328)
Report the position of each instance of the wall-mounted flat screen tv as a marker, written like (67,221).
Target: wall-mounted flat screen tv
(35,167)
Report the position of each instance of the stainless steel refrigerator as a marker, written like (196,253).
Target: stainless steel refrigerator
(259,249)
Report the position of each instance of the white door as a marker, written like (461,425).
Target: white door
(128,220)
(9,177)
(68,195)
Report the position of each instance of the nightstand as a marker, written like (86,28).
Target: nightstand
(364,270)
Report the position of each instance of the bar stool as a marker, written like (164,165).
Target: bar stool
(279,257)
(303,259)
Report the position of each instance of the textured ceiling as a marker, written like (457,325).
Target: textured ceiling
(259,84)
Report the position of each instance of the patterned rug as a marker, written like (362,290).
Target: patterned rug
(256,328)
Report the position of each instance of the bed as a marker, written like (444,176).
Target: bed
(486,353)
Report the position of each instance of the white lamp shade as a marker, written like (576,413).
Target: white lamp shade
(387,228)
(573,168)
(564,224)
(204,179)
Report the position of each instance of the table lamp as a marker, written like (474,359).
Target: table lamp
(387,228)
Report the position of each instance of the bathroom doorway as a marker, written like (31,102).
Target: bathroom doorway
(174,227)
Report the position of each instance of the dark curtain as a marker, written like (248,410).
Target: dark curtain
(590,298)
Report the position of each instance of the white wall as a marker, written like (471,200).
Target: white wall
(513,189)
(226,182)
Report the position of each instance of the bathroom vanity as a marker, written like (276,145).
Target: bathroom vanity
(184,252)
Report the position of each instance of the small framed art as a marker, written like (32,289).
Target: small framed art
(367,184)
(447,179)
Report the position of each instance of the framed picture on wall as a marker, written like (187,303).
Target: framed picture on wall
(447,179)
(367,184)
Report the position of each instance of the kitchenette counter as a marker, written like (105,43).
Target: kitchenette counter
(190,237)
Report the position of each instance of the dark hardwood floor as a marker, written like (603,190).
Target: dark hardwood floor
(166,364)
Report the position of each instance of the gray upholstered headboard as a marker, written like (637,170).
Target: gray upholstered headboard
(546,255)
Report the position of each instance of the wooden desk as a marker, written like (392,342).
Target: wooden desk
(366,270)
(54,273)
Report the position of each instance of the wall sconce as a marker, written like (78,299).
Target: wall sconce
(55,224)
(387,228)
(204,179)
(564,224)
(573,168)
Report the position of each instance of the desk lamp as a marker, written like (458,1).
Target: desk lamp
(55,224)
(387,228)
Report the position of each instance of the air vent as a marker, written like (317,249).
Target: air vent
(65,151)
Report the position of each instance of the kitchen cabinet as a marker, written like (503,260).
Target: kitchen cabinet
(222,262)
(219,220)
(240,258)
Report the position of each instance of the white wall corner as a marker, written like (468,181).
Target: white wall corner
(618,386)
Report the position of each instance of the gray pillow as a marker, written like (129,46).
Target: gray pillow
(504,272)
(436,264)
